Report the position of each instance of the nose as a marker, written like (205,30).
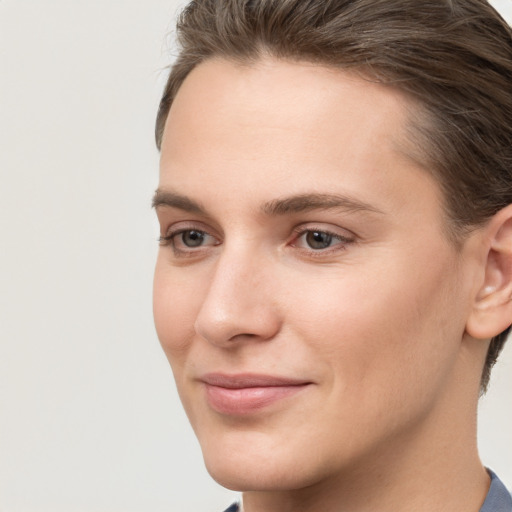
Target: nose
(239,304)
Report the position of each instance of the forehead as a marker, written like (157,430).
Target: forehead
(277,126)
(288,93)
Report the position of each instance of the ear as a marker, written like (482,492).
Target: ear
(491,313)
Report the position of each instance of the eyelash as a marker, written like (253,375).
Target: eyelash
(343,241)
(169,240)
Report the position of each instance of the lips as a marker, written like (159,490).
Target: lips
(244,394)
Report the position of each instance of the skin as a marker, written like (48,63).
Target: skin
(376,321)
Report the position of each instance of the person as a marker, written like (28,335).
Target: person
(334,278)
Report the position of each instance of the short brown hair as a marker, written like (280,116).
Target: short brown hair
(454,57)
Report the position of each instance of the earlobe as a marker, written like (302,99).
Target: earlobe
(492,308)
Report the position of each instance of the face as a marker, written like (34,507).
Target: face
(305,293)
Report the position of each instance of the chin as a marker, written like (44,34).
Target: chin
(249,465)
(242,475)
(242,462)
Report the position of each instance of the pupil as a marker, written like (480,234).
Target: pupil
(318,240)
(192,238)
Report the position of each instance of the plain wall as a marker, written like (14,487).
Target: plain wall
(89,419)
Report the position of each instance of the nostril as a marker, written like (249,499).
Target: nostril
(251,324)
(242,335)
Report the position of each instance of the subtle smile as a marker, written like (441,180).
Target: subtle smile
(244,394)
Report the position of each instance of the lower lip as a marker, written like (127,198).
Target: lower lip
(244,401)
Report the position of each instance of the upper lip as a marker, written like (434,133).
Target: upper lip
(249,380)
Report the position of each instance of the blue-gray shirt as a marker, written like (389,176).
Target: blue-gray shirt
(498,498)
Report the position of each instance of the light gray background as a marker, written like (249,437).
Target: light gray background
(89,419)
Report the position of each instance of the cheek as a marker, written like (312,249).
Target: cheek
(389,334)
(175,307)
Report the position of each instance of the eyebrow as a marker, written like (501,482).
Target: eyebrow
(308,202)
(300,203)
(174,200)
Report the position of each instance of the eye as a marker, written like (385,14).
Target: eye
(192,238)
(187,240)
(320,240)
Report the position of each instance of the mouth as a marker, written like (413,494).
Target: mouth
(245,394)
